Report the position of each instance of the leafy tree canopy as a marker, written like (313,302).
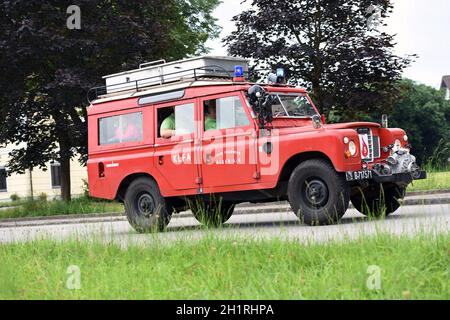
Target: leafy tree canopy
(47,68)
(424,114)
(334,48)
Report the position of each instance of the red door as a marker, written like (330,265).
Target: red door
(175,155)
(228,143)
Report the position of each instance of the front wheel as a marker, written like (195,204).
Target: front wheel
(317,193)
(145,207)
(377,200)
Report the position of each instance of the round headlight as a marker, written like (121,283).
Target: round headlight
(352,148)
(405,138)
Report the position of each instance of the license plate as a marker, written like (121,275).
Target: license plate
(358,175)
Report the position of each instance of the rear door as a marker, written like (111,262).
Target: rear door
(175,155)
(228,147)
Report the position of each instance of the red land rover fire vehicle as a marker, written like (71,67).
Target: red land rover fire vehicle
(193,134)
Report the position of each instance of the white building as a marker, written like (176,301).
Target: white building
(37,181)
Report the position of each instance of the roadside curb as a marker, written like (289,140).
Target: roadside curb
(422,193)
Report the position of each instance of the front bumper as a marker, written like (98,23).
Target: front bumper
(403,178)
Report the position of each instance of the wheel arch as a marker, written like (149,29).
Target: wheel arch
(125,183)
(295,160)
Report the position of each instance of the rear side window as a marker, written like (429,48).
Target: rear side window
(176,121)
(120,129)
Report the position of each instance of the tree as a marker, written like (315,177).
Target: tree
(47,68)
(424,114)
(334,48)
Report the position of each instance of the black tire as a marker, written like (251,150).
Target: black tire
(377,200)
(211,213)
(317,193)
(145,207)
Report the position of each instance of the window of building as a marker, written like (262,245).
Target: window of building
(225,113)
(176,121)
(3,185)
(55,169)
(120,129)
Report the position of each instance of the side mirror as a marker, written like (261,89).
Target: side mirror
(317,121)
(261,103)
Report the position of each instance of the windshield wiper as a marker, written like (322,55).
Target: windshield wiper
(282,104)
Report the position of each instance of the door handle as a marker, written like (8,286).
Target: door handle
(208,158)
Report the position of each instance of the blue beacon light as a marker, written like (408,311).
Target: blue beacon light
(280,72)
(281,76)
(238,73)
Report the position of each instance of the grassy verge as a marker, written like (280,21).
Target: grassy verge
(410,268)
(57,207)
(434,181)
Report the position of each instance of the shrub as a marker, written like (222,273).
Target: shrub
(15,197)
(42,197)
(86,189)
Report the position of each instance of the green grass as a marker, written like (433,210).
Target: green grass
(411,268)
(434,181)
(58,207)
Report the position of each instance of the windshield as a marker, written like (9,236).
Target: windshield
(291,105)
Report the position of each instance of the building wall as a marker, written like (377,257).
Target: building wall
(42,181)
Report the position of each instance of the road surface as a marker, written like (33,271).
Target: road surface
(275,221)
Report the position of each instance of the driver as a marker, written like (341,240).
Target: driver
(210,118)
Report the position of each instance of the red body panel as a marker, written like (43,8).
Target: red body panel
(188,170)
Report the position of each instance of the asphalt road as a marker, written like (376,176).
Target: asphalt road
(277,223)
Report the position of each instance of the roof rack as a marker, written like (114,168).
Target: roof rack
(157,73)
(140,84)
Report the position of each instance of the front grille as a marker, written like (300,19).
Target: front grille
(376,147)
(365,136)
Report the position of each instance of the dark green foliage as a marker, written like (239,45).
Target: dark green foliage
(46,68)
(425,115)
(331,47)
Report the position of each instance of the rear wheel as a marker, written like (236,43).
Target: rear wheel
(212,213)
(377,200)
(317,193)
(145,207)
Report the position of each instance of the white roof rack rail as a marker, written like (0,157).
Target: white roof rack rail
(152,63)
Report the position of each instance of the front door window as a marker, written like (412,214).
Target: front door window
(224,113)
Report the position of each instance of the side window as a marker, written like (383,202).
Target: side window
(176,121)
(3,185)
(55,171)
(119,129)
(225,113)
